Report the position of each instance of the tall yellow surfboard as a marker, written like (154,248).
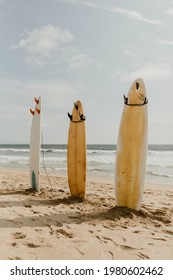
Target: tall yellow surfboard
(76,152)
(132,148)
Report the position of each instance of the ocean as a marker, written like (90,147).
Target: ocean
(100,160)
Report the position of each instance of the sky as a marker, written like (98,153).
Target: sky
(65,50)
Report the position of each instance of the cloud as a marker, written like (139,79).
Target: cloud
(134,15)
(130,50)
(130,13)
(79,61)
(89,4)
(80,2)
(68,1)
(42,43)
(169,12)
(150,72)
(55,93)
(45,40)
(49,42)
(165,42)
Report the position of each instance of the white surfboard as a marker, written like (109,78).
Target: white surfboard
(34,164)
(132,148)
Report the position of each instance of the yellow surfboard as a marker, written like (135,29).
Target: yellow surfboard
(76,152)
(132,148)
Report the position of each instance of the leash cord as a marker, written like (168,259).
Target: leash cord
(44,166)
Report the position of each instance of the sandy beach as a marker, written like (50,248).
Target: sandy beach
(52,225)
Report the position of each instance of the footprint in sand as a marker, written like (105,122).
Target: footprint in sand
(143,256)
(64,232)
(112,255)
(157,225)
(50,222)
(105,240)
(32,245)
(100,239)
(19,235)
(168,232)
(160,239)
(35,212)
(126,247)
(28,206)
(15,258)
(61,231)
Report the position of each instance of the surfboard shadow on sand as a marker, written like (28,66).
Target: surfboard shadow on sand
(79,214)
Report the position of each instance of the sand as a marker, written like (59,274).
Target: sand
(51,225)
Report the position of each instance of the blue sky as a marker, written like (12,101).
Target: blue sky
(91,50)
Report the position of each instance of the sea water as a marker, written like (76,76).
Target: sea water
(100,160)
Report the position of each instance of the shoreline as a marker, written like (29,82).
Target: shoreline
(52,225)
(90,179)
(150,180)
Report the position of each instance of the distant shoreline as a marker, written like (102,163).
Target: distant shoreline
(90,177)
(100,160)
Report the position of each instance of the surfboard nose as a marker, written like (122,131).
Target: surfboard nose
(137,92)
(138,83)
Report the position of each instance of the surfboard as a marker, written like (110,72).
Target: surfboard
(34,157)
(132,148)
(76,152)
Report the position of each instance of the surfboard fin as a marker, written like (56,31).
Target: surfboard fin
(145,101)
(36,100)
(33,181)
(82,117)
(76,106)
(70,116)
(137,85)
(38,111)
(32,112)
(125,100)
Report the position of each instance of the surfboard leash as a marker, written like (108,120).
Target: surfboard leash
(142,104)
(82,118)
(44,166)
